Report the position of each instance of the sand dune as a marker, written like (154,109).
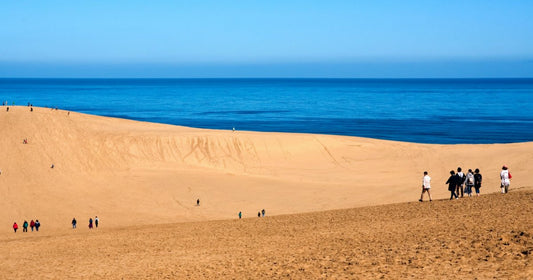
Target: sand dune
(490,237)
(133,173)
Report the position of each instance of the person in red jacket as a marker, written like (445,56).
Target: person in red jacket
(32,225)
(15,227)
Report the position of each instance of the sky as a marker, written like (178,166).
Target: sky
(219,39)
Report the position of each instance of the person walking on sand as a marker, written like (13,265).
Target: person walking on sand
(426,185)
(74,222)
(505,176)
(96,220)
(477,181)
(240,215)
(258,214)
(263,212)
(32,225)
(15,227)
(460,181)
(469,182)
(37,225)
(198,202)
(452,184)
(25,226)
(90,223)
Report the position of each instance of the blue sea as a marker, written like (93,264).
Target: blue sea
(446,111)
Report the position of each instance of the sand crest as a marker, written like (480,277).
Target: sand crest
(134,173)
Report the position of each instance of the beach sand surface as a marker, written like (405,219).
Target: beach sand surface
(138,173)
(490,237)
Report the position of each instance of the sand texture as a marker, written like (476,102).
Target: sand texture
(143,179)
(490,237)
(133,173)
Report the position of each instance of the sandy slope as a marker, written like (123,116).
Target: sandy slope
(129,172)
(490,237)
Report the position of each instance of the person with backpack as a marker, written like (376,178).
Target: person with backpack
(452,184)
(32,225)
(25,226)
(477,181)
(460,181)
(469,182)
(15,227)
(505,176)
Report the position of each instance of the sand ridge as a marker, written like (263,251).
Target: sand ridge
(129,172)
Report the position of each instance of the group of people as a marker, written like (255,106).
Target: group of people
(91,222)
(32,224)
(259,214)
(460,183)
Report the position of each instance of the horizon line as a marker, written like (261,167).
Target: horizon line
(267,78)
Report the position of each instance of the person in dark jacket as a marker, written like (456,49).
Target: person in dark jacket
(460,176)
(90,223)
(74,222)
(477,181)
(452,185)
(37,225)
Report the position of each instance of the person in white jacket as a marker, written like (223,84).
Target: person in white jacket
(426,185)
(505,176)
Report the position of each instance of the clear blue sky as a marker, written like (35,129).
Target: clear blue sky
(266,38)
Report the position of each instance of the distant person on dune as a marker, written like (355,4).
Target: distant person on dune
(263,212)
(505,176)
(37,225)
(90,223)
(469,182)
(32,225)
(426,185)
(258,214)
(477,181)
(240,214)
(452,184)
(96,221)
(460,181)
(25,226)
(15,227)
(198,202)
(74,222)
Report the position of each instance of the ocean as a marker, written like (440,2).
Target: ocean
(444,111)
